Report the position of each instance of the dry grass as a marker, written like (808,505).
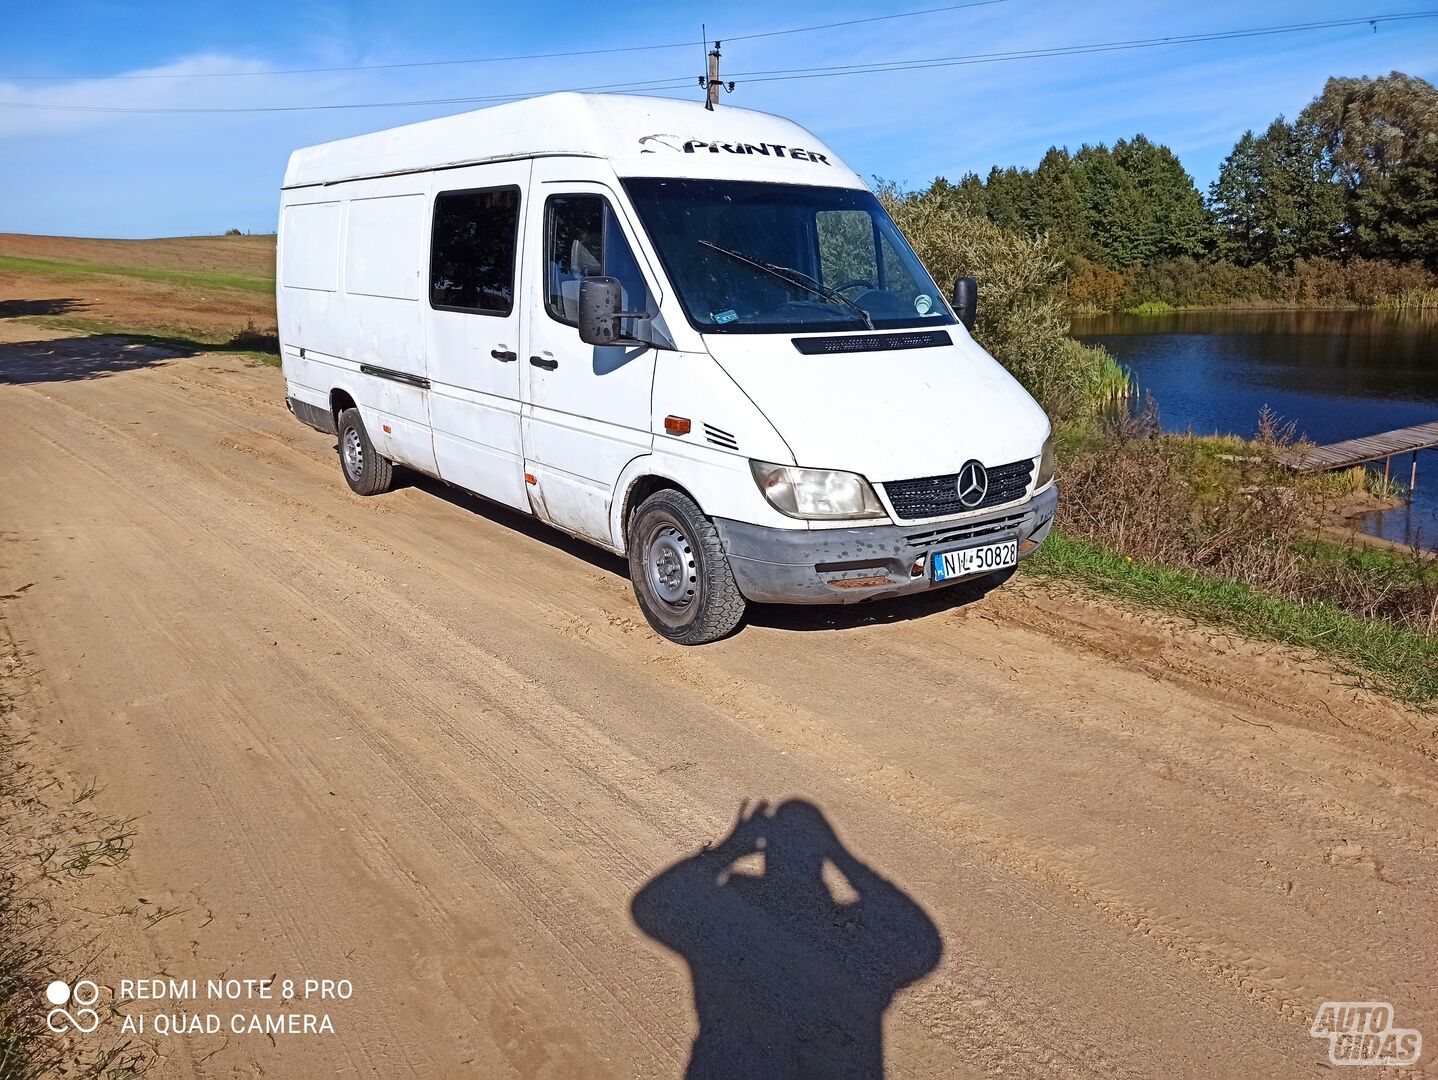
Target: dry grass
(53,838)
(251,256)
(1227,509)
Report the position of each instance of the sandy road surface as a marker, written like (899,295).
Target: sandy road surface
(423,746)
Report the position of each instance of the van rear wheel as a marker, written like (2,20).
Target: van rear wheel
(366,472)
(680,572)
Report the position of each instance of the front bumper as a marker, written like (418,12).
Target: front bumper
(844,566)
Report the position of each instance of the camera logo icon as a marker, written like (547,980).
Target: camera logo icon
(83,1019)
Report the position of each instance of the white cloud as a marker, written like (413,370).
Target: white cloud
(31,109)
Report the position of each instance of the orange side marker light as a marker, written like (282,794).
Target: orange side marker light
(677,425)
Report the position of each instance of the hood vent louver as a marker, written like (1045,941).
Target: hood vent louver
(720,438)
(847,343)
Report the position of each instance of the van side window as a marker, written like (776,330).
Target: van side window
(582,238)
(471,254)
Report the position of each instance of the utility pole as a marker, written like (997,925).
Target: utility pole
(711,83)
(711,87)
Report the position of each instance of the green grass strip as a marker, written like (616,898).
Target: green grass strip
(165,336)
(1391,564)
(1399,662)
(71,269)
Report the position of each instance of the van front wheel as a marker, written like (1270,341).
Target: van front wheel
(366,472)
(680,572)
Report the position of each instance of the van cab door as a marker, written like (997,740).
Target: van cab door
(586,408)
(476,234)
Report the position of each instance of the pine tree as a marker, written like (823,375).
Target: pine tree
(1233,199)
(1006,198)
(1057,208)
(1276,200)
(1181,221)
(1119,217)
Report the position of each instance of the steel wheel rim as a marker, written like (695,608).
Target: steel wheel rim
(670,569)
(352,450)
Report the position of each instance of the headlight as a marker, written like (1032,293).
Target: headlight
(816,493)
(1046,463)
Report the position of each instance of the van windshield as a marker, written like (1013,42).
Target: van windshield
(755,258)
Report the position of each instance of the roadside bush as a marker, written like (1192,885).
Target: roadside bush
(1022,318)
(1229,509)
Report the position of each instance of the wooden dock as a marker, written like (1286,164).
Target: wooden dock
(1383,447)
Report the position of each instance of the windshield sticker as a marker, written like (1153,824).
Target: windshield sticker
(722,317)
(923,303)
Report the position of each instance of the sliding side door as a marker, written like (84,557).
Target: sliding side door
(476,234)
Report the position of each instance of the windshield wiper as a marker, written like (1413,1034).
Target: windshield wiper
(790,276)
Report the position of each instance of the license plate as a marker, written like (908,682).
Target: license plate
(975,560)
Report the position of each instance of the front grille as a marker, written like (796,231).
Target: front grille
(974,530)
(938,496)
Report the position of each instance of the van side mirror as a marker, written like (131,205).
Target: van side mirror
(966,301)
(599,310)
(599,314)
(601,321)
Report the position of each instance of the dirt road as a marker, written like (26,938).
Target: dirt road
(422,745)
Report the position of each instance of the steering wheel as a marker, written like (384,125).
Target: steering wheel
(853,282)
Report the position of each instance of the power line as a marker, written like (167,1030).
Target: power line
(675,83)
(498,59)
(859,22)
(782,74)
(787,74)
(352,67)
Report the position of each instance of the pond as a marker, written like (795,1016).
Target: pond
(1336,374)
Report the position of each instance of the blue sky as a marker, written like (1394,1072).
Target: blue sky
(114,174)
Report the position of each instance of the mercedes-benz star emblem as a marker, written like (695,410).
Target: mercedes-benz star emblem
(973,484)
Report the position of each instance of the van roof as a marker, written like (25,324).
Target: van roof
(641,136)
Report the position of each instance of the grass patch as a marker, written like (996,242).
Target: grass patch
(1409,300)
(1391,563)
(1151,307)
(51,843)
(1399,662)
(249,341)
(73,269)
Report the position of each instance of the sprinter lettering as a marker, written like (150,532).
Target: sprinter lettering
(765,149)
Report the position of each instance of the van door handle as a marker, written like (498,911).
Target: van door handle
(504,356)
(548,363)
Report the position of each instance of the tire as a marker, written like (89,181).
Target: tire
(366,472)
(680,572)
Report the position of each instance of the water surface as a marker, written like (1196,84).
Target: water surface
(1335,374)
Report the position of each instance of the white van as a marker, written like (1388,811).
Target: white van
(693,338)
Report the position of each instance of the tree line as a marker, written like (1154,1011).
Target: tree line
(1340,203)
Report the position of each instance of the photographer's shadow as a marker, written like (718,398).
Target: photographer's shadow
(790,978)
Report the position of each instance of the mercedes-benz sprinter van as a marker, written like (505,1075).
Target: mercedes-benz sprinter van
(693,338)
